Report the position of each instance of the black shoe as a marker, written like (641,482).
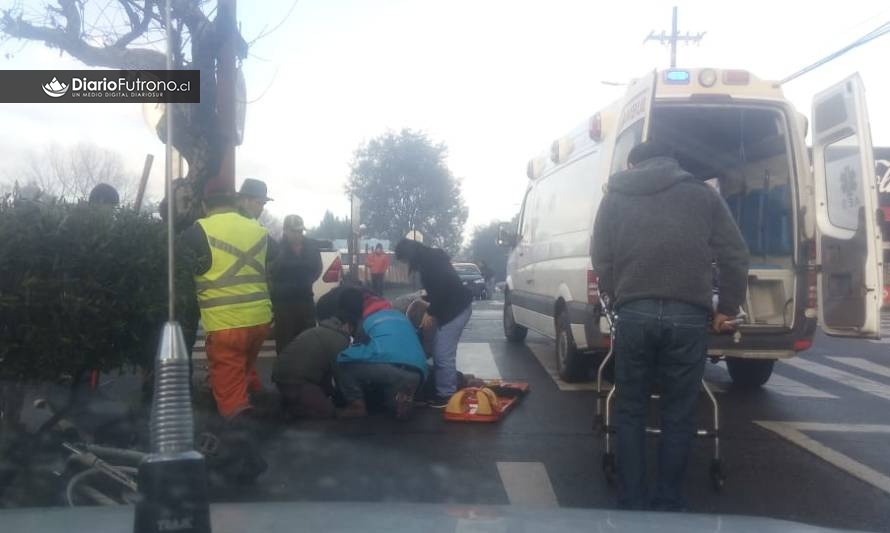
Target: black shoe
(438,402)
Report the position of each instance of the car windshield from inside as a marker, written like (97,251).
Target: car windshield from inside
(444,264)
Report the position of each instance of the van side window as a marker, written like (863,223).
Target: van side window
(629,138)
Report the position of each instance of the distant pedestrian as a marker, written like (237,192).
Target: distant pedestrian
(657,231)
(292,274)
(488,277)
(378,264)
(451,305)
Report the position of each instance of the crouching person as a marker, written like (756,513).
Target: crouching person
(304,369)
(391,362)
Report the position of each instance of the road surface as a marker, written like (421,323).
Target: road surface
(812,446)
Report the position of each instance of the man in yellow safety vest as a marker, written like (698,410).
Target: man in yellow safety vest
(230,279)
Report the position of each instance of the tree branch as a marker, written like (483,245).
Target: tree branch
(67,41)
(137,27)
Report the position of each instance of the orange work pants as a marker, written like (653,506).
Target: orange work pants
(232,355)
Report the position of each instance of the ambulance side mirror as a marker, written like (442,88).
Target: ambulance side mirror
(506,236)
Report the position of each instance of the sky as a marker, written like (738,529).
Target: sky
(495,80)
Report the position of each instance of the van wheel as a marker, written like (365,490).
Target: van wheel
(569,361)
(513,331)
(749,373)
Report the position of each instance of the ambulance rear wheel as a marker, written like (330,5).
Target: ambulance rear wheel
(570,361)
(513,331)
(749,373)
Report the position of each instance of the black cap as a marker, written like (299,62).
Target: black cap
(254,189)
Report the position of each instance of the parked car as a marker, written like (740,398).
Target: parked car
(472,278)
(331,270)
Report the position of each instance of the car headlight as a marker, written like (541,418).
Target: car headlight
(479,281)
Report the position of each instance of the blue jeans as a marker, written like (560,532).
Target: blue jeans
(659,342)
(445,352)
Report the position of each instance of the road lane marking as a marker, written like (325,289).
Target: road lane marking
(863,364)
(793,432)
(487,314)
(840,428)
(783,386)
(788,387)
(477,358)
(527,484)
(844,378)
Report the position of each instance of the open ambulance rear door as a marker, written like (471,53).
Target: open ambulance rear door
(634,119)
(849,247)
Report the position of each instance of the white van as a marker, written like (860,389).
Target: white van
(811,229)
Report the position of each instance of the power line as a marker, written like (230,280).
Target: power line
(674,36)
(872,35)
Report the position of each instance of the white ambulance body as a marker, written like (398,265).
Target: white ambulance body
(811,227)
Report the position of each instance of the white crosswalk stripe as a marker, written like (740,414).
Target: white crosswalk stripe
(788,387)
(527,484)
(845,378)
(477,358)
(785,386)
(863,364)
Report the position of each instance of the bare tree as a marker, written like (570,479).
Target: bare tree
(129,34)
(71,173)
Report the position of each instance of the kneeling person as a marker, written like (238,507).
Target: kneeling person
(304,370)
(392,361)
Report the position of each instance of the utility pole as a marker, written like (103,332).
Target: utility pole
(225,95)
(674,36)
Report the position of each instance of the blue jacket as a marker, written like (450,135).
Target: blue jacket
(393,340)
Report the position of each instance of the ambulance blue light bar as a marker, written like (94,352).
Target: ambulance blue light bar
(676,77)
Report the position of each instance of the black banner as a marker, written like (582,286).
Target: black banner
(43,86)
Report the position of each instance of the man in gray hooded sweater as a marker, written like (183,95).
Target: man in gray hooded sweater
(657,233)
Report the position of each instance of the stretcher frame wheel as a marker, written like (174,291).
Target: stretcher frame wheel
(718,476)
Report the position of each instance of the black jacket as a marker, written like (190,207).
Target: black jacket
(657,231)
(290,275)
(446,294)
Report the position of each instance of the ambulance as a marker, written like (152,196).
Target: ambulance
(811,226)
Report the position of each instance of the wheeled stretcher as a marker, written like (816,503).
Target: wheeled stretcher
(605,396)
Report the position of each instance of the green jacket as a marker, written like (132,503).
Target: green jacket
(310,358)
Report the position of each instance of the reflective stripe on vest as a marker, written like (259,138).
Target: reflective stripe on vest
(233,292)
